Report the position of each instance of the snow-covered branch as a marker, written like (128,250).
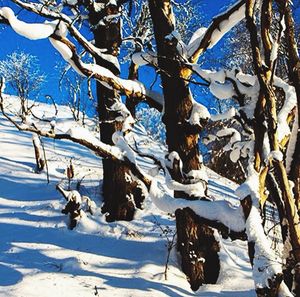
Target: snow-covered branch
(220,211)
(56,32)
(217,29)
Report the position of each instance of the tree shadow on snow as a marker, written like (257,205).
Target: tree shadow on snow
(9,276)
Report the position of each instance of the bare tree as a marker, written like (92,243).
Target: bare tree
(22,74)
(77,89)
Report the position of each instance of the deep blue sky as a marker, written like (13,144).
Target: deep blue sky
(47,55)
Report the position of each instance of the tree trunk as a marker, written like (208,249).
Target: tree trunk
(181,139)
(264,68)
(39,158)
(197,244)
(118,191)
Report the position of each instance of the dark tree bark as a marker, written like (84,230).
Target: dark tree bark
(197,244)
(120,199)
(178,107)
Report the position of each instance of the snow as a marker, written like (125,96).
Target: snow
(221,211)
(62,48)
(71,2)
(81,133)
(222,91)
(30,31)
(195,41)
(276,155)
(144,58)
(124,116)
(289,103)
(40,256)
(226,25)
(266,262)
(229,114)
(234,135)
(274,51)
(246,78)
(199,112)
(292,143)
(180,45)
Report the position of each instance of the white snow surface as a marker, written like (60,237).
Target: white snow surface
(30,31)
(40,256)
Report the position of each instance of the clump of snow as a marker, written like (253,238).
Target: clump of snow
(120,142)
(71,2)
(227,25)
(171,158)
(62,48)
(180,45)
(30,31)
(221,211)
(229,114)
(124,115)
(276,155)
(234,135)
(199,174)
(199,112)
(222,91)
(144,58)
(289,103)
(246,78)
(250,186)
(292,143)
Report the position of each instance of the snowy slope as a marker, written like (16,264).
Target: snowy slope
(40,256)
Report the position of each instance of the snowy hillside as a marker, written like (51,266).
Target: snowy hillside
(40,256)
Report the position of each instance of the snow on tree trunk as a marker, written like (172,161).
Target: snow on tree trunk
(181,139)
(120,199)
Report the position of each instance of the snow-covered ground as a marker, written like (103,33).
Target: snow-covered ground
(40,256)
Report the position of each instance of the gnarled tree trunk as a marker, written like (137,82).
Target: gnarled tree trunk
(193,237)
